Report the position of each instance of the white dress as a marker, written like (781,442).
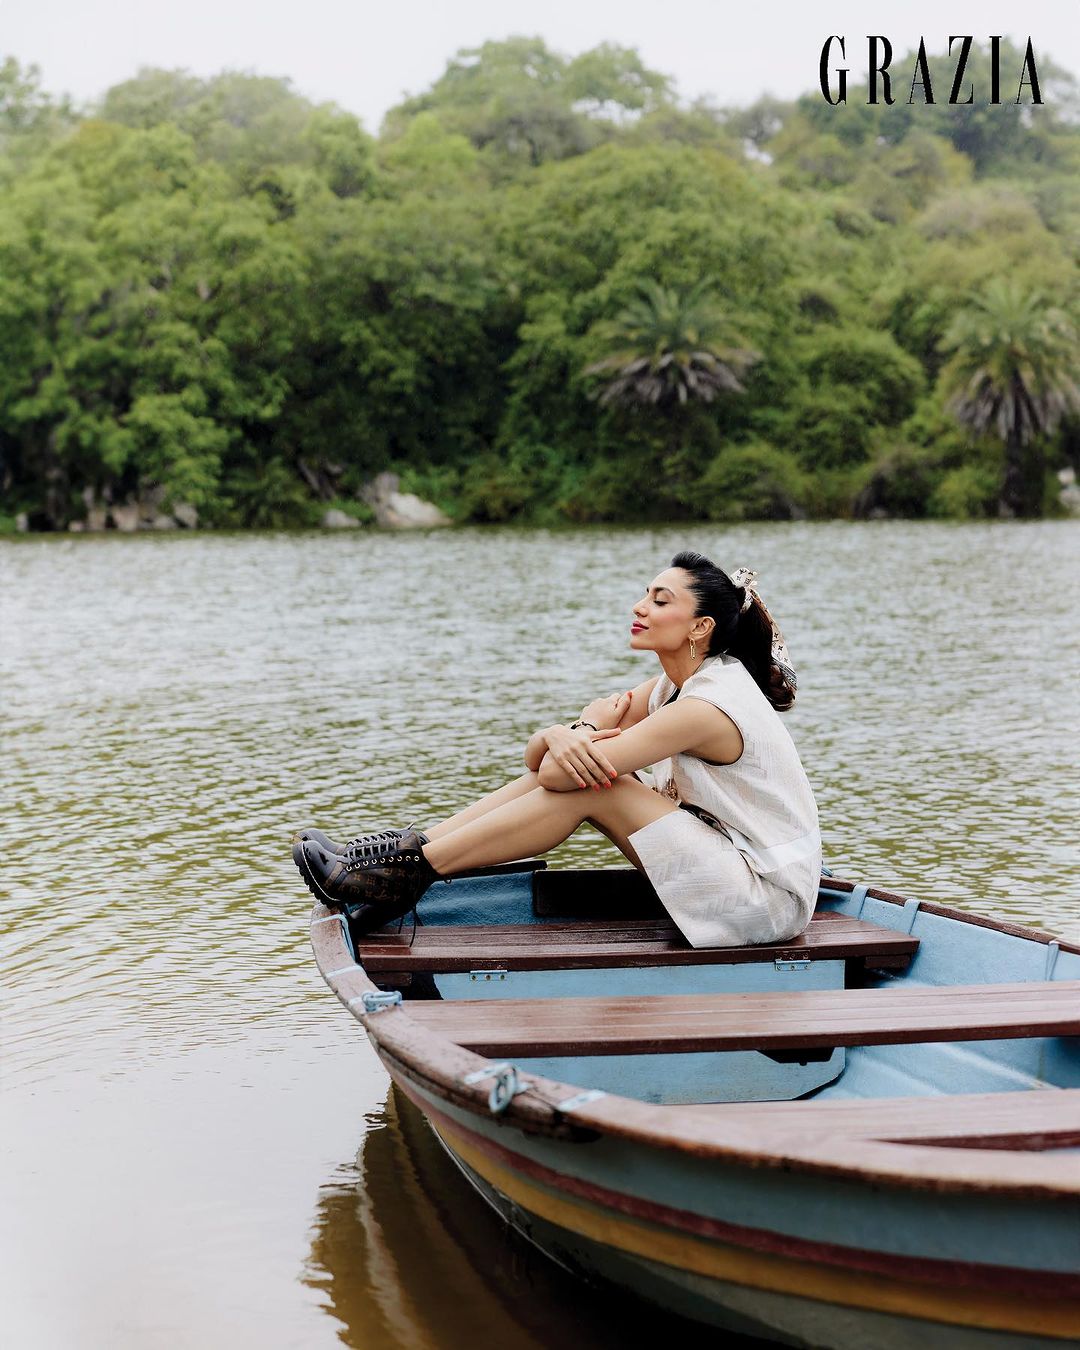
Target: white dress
(752,874)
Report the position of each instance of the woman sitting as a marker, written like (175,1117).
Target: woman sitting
(727,834)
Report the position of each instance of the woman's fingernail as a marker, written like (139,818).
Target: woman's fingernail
(614,774)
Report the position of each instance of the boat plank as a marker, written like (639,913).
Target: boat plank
(1033,1120)
(561,946)
(758,1021)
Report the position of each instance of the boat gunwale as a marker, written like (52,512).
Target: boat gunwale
(438,1065)
(1006,926)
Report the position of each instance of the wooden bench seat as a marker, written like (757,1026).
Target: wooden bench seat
(1035,1119)
(618,943)
(707,1022)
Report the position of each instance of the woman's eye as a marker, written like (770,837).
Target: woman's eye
(659,602)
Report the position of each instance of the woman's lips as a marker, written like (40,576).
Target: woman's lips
(637,628)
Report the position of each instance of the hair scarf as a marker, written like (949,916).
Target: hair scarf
(743,577)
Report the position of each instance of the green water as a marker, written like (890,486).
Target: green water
(198,1146)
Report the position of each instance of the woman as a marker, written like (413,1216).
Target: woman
(728,835)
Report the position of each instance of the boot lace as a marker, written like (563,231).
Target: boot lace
(370,849)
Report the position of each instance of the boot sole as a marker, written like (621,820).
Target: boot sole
(309,881)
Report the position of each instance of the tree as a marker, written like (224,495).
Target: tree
(671,349)
(1012,374)
(525,105)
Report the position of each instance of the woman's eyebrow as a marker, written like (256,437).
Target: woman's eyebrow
(657,589)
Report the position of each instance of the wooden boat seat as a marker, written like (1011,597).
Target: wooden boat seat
(767,1022)
(602,943)
(1036,1119)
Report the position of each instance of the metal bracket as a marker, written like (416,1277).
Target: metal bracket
(506,1087)
(486,976)
(792,965)
(1053,948)
(581,1099)
(376,1002)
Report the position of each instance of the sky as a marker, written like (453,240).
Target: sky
(366,56)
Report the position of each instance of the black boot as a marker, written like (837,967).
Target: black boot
(331,846)
(377,880)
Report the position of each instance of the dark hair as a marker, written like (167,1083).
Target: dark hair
(745,634)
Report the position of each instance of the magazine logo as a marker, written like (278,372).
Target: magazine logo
(879,85)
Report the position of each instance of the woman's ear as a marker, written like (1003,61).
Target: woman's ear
(706,625)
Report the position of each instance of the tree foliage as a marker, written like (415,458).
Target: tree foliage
(1012,373)
(549,289)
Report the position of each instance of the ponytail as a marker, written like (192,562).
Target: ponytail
(754,647)
(743,626)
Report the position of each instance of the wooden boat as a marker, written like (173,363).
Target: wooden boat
(865,1137)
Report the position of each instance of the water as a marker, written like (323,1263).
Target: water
(188,1114)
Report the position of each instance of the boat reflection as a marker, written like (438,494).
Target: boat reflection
(407,1256)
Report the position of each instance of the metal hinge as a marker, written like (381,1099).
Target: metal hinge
(373,1002)
(487,975)
(792,965)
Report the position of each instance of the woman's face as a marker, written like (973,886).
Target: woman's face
(664,616)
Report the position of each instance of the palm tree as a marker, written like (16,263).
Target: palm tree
(670,350)
(1013,374)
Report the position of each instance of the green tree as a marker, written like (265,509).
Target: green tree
(525,105)
(671,348)
(1013,373)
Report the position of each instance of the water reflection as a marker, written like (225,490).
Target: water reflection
(408,1256)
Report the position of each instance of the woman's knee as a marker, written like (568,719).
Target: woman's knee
(629,804)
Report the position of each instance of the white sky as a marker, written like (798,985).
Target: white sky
(366,55)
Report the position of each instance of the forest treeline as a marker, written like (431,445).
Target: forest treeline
(549,289)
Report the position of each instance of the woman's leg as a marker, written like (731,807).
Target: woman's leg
(536,820)
(621,842)
(516,788)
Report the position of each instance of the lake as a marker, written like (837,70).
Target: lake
(199,1145)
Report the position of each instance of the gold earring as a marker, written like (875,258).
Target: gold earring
(693,650)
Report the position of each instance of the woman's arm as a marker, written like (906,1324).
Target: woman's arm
(639,704)
(689,724)
(536,749)
(637,709)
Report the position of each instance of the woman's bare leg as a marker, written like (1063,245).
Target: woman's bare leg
(535,821)
(621,842)
(516,788)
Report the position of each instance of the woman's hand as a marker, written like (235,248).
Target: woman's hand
(579,756)
(605,713)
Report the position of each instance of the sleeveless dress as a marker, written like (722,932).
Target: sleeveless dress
(749,870)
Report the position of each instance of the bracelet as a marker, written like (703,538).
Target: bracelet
(582,723)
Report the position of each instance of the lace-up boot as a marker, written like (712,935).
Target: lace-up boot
(378,879)
(332,846)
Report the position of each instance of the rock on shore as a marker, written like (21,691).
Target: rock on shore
(145,512)
(339,520)
(397,510)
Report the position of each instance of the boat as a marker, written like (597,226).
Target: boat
(866,1136)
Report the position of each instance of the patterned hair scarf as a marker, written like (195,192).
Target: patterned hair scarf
(743,577)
